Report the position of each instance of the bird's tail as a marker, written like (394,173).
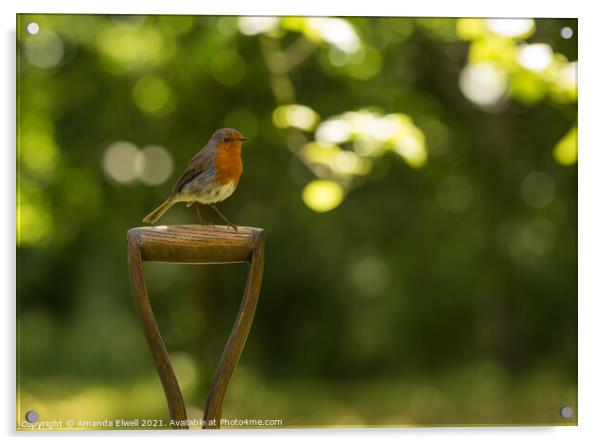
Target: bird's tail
(153,216)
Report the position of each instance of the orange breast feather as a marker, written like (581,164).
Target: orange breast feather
(228,164)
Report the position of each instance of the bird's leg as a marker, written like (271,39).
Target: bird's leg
(198,212)
(226,220)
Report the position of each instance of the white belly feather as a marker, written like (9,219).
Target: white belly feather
(209,194)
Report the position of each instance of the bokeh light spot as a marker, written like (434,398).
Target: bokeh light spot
(338,57)
(565,152)
(347,163)
(370,275)
(469,29)
(538,189)
(483,84)
(365,63)
(34,224)
(527,87)
(127,49)
(123,162)
(152,95)
(337,32)
(227,26)
(251,26)
(45,50)
(411,148)
(531,240)
(568,77)
(157,165)
(296,116)
(511,27)
(371,134)
(319,153)
(536,57)
(38,151)
(322,195)
(333,131)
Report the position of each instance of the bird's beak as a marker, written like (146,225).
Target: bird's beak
(242,138)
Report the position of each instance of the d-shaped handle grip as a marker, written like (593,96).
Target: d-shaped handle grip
(202,245)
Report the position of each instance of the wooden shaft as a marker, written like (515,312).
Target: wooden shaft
(238,336)
(175,401)
(196,244)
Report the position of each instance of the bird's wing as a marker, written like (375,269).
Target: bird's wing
(203,161)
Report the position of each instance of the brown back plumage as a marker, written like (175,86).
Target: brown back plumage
(200,163)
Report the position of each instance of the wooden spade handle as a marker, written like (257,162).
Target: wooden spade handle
(202,245)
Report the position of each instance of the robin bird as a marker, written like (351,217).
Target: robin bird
(210,177)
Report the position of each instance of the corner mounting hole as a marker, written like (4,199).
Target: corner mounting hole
(32,416)
(566,412)
(33,28)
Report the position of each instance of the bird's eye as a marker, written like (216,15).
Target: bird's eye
(226,139)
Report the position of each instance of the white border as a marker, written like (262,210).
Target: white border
(506,8)
(590,221)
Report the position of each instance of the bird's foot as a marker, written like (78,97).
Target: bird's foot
(226,220)
(230,224)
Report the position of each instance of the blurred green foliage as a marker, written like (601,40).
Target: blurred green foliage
(416,179)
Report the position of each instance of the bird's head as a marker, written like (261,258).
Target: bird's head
(228,136)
